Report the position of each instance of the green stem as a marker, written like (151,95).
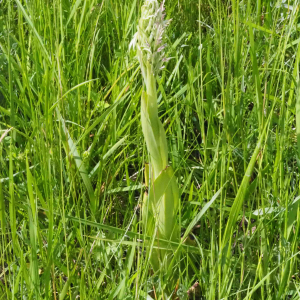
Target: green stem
(153,130)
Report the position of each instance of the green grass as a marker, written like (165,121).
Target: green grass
(72,151)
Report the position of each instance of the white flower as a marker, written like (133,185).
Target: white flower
(149,37)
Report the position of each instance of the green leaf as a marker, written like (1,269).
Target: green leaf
(71,150)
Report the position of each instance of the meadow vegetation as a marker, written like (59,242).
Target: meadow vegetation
(73,153)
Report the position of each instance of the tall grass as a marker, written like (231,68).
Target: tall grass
(72,151)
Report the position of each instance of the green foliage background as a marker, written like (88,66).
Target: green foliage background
(72,151)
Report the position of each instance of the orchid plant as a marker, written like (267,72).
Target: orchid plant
(161,202)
